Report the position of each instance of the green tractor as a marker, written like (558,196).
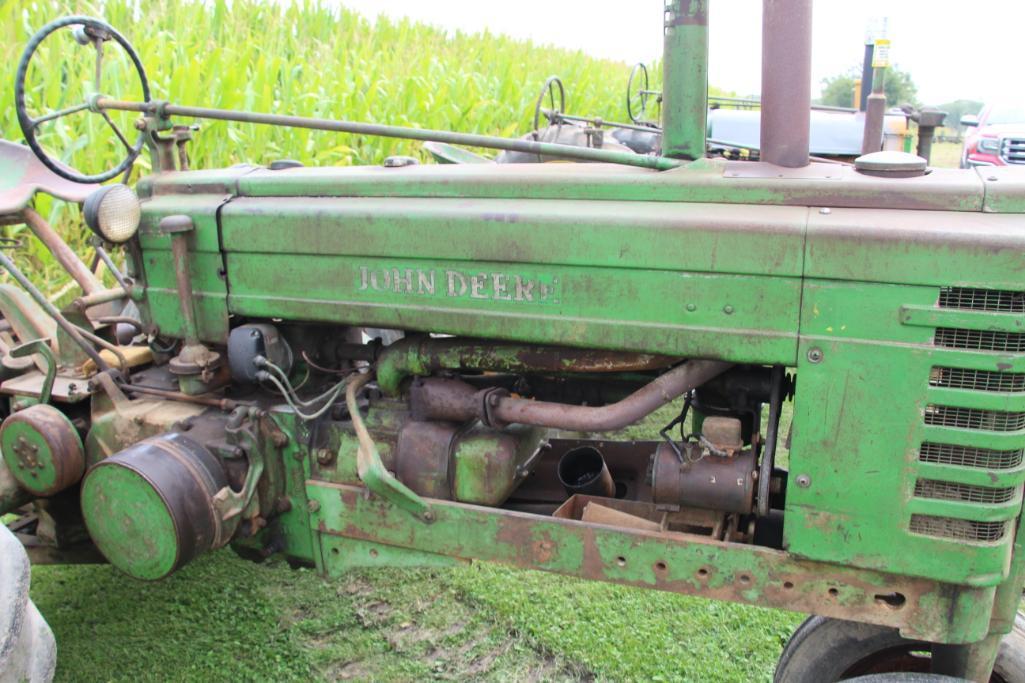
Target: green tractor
(422,364)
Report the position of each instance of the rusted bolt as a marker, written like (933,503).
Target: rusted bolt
(727,309)
(803,480)
(692,307)
(325,456)
(140,123)
(815,355)
(313,506)
(428,516)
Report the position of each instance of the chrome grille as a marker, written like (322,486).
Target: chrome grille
(1012,150)
(974,418)
(965,493)
(979,380)
(979,340)
(970,456)
(960,529)
(996,300)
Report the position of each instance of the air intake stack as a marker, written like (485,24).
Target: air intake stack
(685,79)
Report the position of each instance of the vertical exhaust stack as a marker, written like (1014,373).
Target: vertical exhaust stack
(685,79)
(786,82)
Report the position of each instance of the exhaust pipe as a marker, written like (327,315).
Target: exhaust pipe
(786,82)
(583,470)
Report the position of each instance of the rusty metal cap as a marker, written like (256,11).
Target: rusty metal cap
(891,164)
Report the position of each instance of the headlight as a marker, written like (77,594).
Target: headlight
(113,213)
(988,145)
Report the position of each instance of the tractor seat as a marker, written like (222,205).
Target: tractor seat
(22,175)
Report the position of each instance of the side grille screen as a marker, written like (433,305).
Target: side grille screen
(946,490)
(969,456)
(996,300)
(979,340)
(979,380)
(960,529)
(974,418)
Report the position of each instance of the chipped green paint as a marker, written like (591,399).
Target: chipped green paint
(860,420)
(680,564)
(123,507)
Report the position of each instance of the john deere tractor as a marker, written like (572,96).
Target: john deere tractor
(421,364)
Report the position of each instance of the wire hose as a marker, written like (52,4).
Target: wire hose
(277,377)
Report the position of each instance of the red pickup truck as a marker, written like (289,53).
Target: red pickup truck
(996,137)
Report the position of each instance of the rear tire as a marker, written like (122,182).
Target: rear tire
(829,650)
(27,648)
(906,678)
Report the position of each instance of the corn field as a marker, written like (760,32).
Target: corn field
(306,58)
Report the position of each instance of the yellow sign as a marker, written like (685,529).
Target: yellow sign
(881,55)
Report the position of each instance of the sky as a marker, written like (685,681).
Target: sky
(953,49)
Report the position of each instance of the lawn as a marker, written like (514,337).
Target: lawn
(225,619)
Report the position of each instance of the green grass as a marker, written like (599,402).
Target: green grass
(225,619)
(946,155)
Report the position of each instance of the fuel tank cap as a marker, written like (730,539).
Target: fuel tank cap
(891,165)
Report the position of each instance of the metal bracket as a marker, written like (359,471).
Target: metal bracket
(229,504)
(42,347)
(369,466)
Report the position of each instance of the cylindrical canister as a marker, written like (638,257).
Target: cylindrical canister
(583,470)
(149,509)
(710,482)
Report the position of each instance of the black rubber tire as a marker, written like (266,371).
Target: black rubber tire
(27,648)
(825,650)
(906,678)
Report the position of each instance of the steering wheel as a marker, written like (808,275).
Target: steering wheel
(637,102)
(88,31)
(553,112)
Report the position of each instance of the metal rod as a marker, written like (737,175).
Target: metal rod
(59,113)
(422,134)
(183,279)
(601,122)
(866,73)
(222,403)
(68,259)
(786,82)
(52,311)
(875,114)
(104,296)
(685,79)
(111,266)
(739,101)
(445,399)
